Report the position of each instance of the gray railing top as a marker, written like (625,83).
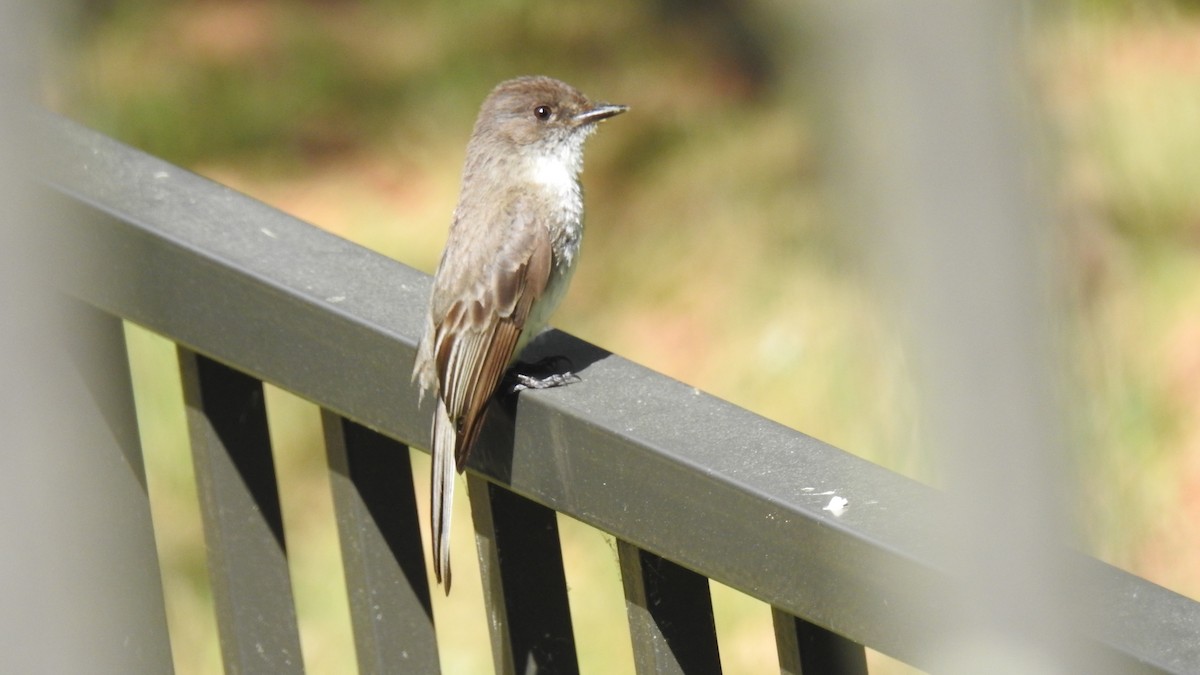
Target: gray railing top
(654,462)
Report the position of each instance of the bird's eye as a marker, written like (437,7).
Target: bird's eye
(543,112)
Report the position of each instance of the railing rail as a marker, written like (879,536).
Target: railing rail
(692,486)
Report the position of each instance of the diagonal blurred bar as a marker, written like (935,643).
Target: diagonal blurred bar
(933,153)
(80,589)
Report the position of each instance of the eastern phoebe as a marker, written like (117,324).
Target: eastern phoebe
(512,248)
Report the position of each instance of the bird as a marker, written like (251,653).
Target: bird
(512,248)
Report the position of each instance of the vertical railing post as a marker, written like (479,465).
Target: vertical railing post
(386,578)
(243,525)
(524,584)
(808,649)
(670,615)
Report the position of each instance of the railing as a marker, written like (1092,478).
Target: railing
(692,487)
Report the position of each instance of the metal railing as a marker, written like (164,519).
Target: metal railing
(692,487)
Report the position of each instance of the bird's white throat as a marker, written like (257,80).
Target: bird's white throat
(558,171)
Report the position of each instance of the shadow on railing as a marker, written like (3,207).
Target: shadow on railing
(692,487)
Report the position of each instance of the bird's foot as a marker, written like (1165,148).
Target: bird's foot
(550,372)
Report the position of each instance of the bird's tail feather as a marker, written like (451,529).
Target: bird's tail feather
(444,437)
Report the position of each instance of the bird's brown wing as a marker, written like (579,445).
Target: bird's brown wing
(476,340)
(473,343)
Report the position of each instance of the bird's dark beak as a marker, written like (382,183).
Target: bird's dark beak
(601,111)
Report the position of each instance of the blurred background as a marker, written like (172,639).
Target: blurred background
(354,115)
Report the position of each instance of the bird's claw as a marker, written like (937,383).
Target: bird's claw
(545,374)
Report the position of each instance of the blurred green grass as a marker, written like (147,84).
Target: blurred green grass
(712,255)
